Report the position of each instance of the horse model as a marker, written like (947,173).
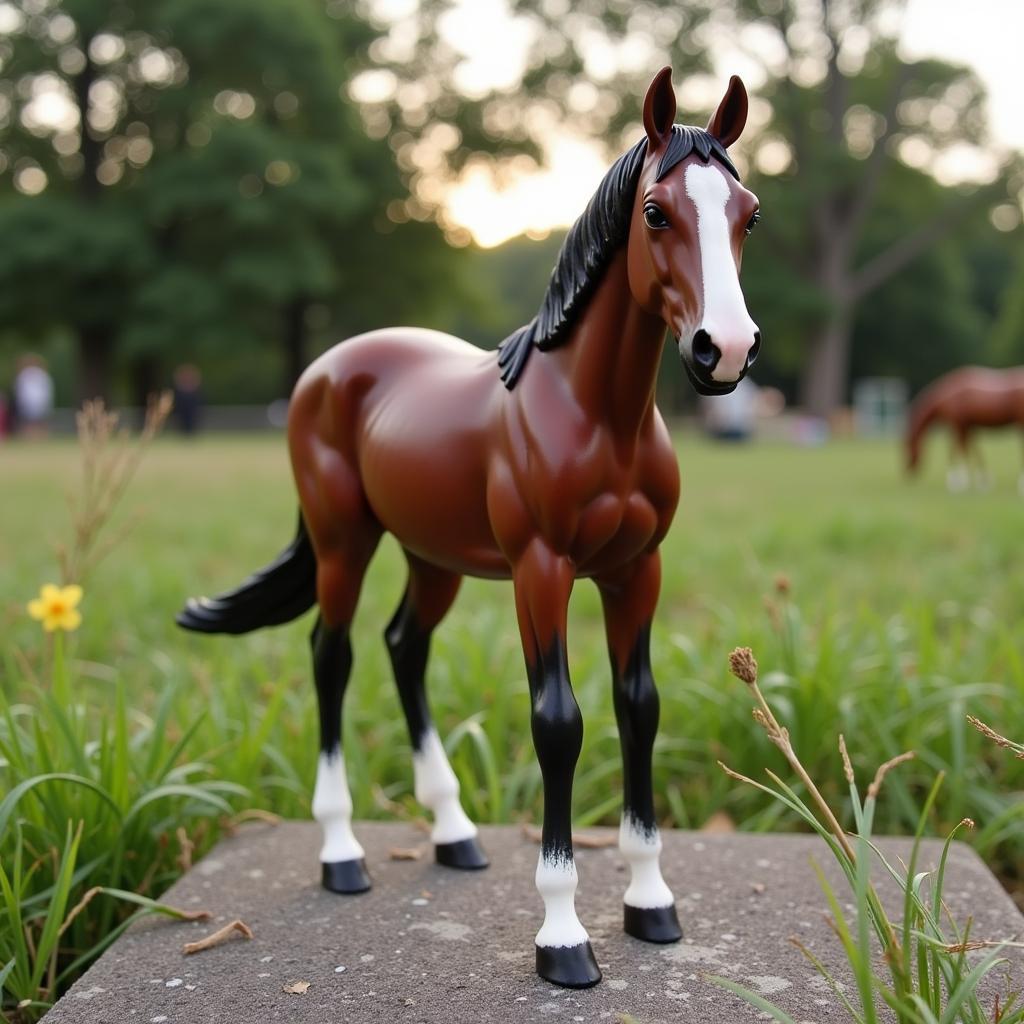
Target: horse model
(966,399)
(542,462)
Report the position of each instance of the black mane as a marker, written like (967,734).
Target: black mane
(591,242)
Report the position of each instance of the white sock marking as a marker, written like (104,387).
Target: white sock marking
(725,313)
(958,478)
(332,807)
(437,788)
(556,883)
(642,851)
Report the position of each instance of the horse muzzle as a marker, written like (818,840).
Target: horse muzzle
(703,361)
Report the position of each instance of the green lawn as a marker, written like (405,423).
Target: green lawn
(905,612)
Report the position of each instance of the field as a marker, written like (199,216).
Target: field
(877,608)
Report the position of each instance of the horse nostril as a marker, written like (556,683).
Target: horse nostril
(754,349)
(705,352)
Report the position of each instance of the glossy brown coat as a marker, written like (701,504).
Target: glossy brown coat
(545,462)
(571,473)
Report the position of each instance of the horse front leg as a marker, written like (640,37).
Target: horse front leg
(543,581)
(629,598)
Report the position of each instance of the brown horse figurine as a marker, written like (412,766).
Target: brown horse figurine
(964,400)
(543,462)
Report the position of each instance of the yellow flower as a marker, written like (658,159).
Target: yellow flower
(55,607)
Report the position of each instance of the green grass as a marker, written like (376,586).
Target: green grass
(925,975)
(904,613)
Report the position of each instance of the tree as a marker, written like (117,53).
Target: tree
(844,111)
(587,67)
(847,109)
(190,176)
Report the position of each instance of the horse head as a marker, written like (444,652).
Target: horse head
(690,219)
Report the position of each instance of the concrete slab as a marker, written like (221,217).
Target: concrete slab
(430,945)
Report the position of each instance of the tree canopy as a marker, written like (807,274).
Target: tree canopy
(189,178)
(242,181)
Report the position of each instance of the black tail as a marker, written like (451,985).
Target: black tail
(279,593)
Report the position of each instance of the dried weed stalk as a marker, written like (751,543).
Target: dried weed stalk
(110,459)
(743,665)
(996,738)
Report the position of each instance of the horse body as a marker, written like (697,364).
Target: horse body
(966,399)
(541,471)
(370,417)
(533,462)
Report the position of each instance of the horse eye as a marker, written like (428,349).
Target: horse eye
(653,217)
(750,223)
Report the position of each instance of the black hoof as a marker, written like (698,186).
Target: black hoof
(652,924)
(466,854)
(568,966)
(346,876)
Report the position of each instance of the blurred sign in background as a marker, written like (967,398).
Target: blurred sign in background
(234,185)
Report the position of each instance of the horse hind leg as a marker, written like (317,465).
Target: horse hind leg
(980,477)
(428,596)
(339,579)
(958,478)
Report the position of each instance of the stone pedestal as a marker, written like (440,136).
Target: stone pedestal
(429,944)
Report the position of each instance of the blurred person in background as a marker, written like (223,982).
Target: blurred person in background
(188,397)
(33,397)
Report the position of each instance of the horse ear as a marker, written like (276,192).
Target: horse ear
(727,123)
(659,107)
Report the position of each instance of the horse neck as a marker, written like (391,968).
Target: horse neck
(612,357)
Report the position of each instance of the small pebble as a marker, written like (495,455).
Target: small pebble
(340,969)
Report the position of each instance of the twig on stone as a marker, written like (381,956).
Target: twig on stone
(217,937)
(405,852)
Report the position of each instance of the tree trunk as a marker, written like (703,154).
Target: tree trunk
(95,353)
(824,382)
(145,382)
(295,338)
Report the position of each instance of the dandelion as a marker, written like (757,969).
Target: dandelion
(56,607)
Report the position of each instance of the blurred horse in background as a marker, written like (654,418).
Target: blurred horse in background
(966,399)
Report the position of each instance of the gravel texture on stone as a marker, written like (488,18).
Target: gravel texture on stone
(428,944)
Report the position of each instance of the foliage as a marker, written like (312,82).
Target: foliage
(587,66)
(107,810)
(847,141)
(849,117)
(208,190)
(928,976)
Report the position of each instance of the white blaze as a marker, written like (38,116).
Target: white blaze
(437,788)
(725,313)
(556,882)
(642,851)
(332,807)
